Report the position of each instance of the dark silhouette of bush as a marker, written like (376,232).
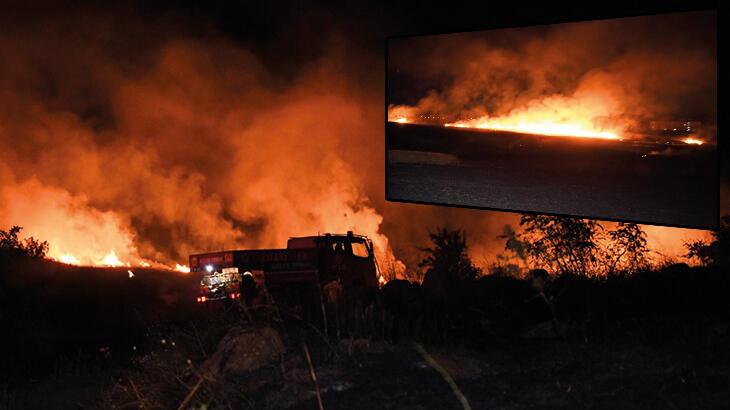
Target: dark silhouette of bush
(446,262)
(402,303)
(13,247)
(716,252)
(449,275)
(576,246)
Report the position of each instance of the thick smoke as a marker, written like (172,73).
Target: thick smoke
(617,74)
(156,146)
(186,145)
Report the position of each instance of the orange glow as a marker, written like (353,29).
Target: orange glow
(182,268)
(543,128)
(693,141)
(381,280)
(582,115)
(68,259)
(111,260)
(203,158)
(401,114)
(592,111)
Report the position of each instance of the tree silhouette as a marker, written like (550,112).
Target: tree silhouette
(627,249)
(577,246)
(716,252)
(449,277)
(9,239)
(12,245)
(566,245)
(447,257)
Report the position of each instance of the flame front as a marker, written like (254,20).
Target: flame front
(182,268)
(693,141)
(111,259)
(68,259)
(543,127)
(580,115)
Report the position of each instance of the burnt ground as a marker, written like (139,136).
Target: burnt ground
(622,371)
(641,364)
(636,181)
(91,338)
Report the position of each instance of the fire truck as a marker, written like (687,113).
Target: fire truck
(308,261)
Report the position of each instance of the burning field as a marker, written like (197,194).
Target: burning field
(132,138)
(626,103)
(198,141)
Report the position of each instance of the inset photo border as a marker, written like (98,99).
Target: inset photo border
(613,119)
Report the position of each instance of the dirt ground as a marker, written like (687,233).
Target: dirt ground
(632,365)
(625,369)
(152,352)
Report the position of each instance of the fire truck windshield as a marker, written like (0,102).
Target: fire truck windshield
(360,249)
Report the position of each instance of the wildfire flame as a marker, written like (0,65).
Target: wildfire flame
(544,128)
(182,268)
(401,114)
(111,260)
(68,259)
(693,141)
(587,113)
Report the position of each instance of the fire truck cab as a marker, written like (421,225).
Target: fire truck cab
(310,260)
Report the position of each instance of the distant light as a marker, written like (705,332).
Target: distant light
(131,274)
(209,268)
(247,273)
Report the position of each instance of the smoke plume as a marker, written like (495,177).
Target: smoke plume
(153,144)
(609,76)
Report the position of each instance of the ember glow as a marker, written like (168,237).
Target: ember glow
(68,259)
(141,184)
(582,115)
(542,128)
(182,268)
(111,260)
(401,114)
(693,141)
(197,144)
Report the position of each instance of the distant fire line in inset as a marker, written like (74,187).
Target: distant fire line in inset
(544,128)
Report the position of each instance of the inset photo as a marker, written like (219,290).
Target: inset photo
(611,119)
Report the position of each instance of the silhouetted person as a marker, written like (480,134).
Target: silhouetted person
(249,289)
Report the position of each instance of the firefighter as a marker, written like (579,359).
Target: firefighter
(249,289)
